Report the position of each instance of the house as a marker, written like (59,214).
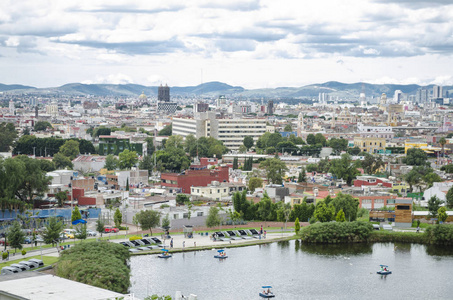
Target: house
(194,176)
(372,181)
(216,190)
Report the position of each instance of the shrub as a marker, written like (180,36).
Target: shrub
(135,237)
(384,236)
(100,264)
(123,228)
(334,232)
(440,234)
(4,255)
(24,252)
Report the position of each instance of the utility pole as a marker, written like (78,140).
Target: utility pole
(34,155)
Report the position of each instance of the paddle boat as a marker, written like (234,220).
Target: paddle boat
(164,254)
(221,254)
(267,293)
(384,270)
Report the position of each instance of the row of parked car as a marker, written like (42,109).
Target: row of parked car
(31,264)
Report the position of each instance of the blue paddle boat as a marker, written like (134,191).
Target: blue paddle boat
(384,270)
(164,254)
(267,292)
(221,254)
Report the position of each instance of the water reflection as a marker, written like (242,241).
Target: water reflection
(435,250)
(336,249)
(283,244)
(402,247)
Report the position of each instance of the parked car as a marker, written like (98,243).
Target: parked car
(28,240)
(2,242)
(70,233)
(108,229)
(91,233)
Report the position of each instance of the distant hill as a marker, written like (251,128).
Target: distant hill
(215,88)
(14,87)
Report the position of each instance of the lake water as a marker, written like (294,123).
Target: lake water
(300,271)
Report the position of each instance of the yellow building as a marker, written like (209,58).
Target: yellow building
(421,145)
(370,144)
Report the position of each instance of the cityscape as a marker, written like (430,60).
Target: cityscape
(240,150)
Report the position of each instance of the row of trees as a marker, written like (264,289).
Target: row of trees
(32,145)
(343,207)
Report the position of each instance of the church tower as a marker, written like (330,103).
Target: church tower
(300,124)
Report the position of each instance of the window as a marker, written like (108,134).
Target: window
(175,216)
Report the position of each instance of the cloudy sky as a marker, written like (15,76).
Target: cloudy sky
(251,43)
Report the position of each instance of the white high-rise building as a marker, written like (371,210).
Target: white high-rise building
(437,92)
(230,131)
(398,96)
(12,108)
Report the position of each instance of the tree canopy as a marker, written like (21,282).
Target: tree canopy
(70,149)
(344,168)
(148,219)
(275,169)
(416,157)
(7,136)
(127,159)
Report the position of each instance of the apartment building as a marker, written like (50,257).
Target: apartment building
(228,130)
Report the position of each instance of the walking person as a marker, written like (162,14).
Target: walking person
(183,245)
(171,243)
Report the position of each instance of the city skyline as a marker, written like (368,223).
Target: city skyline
(254,44)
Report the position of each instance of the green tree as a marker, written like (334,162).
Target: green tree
(338,145)
(16,236)
(146,164)
(347,203)
(42,125)
(320,139)
(442,214)
(181,199)
(148,219)
(76,215)
(235,163)
(413,178)
(297,225)
(416,157)
(324,213)
(47,165)
(166,131)
(100,226)
(102,130)
(62,162)
(433,206)
(127,159)
(275,169)
(354,151)
(442,143)
(52,231)
(371,164)
(61,198)
(450,198)
(288,128)
(430,178)
(302,176)
(248,142)
(86,147)
(118,218)
(344,168)
(150,146)
(213,219)
(311,140)
(255,182)
(7,136)
(70,149)
(166,221)
(111,163)
(81,232)
(340,216)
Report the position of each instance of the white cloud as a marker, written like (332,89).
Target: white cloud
(111,79)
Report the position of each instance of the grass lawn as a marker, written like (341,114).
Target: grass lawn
(48,260)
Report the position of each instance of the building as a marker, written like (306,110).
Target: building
(370,144)
(375,131)
(375,202)
(88,163)
(112,144)
(372,181)
(437,92)
(270,107)
(194,176)
(216,190)
(403,212)
(230,131)
(163,93)
(421,145)
(167,107)
(421,96)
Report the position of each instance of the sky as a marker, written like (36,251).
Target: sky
(248,43)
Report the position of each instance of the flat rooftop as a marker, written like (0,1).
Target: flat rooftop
(39,286)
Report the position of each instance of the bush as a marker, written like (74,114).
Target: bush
(4,255)
(334,232)
(384,236)
(24,252)
(123,228)
(135,237)
(440,234)
(99,264)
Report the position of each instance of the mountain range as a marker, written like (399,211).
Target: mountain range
(215,88)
